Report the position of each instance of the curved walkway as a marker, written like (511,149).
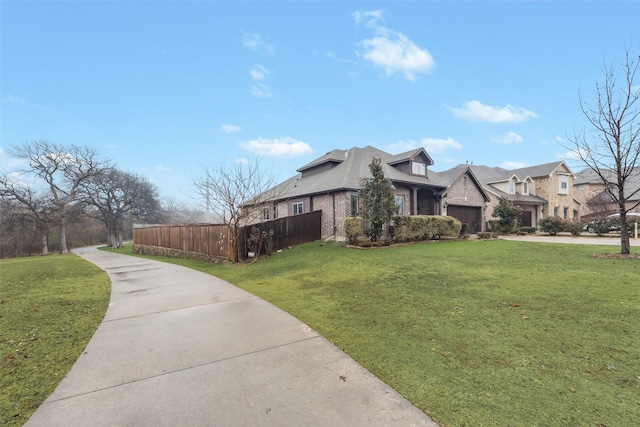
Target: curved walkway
(182,348)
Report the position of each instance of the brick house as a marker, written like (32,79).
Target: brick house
(589,189)
(540,191)
(332,183)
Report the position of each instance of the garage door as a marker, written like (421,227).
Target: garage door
(470,215)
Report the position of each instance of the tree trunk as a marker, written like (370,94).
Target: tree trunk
(625,245)
(44,244)
(63,234)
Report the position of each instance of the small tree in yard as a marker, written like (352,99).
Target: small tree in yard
(378,198)
(508,214)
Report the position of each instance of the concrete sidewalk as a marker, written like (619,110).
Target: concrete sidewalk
(181,348)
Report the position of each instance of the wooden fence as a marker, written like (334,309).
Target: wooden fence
(287,232)
(214,240)
(211,240)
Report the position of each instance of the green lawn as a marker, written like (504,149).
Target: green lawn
(49,309)
(475,333)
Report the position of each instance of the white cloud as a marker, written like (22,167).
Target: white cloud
(392,50)
(259,72)
(570,156)
(512,165)
(277,147)
(475,111)
(10,99)
(431,145)
(230,128)
(373,16)
(257,44)
(261,90)
(242,161)
(162,168)
(508,138)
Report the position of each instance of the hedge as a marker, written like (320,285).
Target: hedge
(423,227)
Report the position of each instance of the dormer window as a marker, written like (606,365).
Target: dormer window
(512,187)
(418,169)
(525,188)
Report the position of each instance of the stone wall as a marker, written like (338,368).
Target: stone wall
(176,253)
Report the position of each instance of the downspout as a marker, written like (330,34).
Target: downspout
(335,226)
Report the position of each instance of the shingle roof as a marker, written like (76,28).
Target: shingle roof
(348,169)
(538,170)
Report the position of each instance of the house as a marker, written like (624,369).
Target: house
(542,190)
(589,188)
(332,182)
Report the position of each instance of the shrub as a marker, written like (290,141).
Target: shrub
(485,235)
(601,226)
(551,225)
(353,228)
(527,229)
(422,227)
(574,227)
(501,227)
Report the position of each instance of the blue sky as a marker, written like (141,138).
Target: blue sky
(165,88)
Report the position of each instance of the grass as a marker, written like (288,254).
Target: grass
(49,309)
(478,333)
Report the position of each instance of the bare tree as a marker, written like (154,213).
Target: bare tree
(235,194)
(612,145)
(175,211)
(63,169)
(115,196)
(35,205)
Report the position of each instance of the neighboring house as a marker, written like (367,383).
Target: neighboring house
(595,201)
(540,191)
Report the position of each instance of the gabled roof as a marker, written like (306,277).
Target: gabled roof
(340,170)
(334,156)
(539,171)
(450,176)
(488,175)
(410,155)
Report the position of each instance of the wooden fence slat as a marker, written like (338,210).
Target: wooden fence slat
(214,239)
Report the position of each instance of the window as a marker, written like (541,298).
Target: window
(265,213)
(400,204)
(418,168)
(275,211)
(564,184)
(354,205)
(566,213)
(464,182)
(512,187)
(555,212)
(298,208)
(525,188)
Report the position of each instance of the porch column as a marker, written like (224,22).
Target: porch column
(414,201)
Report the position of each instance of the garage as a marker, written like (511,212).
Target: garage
(470,215)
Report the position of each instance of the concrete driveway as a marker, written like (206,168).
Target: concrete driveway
(181,348)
